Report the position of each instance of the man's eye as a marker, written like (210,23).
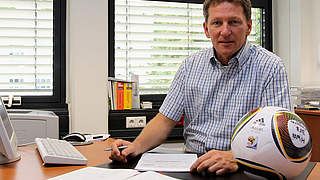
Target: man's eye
(234,22)
(216,23)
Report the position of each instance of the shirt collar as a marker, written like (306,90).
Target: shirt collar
(240,57)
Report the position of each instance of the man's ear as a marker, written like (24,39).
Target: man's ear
(249,27)
(205,27)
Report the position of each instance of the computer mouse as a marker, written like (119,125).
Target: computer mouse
(75,137)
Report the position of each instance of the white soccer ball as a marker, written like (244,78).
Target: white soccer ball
(271,142)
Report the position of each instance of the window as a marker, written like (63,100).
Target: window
(151,38)
(32,50)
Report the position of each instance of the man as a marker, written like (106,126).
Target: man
(213,88)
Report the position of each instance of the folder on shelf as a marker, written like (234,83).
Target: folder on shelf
(114,93)
(120,89)
(110,96)
(127,96)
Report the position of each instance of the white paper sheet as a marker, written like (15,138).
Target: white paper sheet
(150,175)
(169,148)
(166,162)
(97,174)
(105,174)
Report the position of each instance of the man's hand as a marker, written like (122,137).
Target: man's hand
(156,131)
(116,155)
(220,162)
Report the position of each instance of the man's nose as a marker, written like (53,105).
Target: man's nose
(225,29)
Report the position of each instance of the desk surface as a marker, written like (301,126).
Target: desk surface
(30,165)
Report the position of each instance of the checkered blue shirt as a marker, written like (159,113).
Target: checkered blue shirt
(213,97)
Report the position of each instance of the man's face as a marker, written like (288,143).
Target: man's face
(228,28)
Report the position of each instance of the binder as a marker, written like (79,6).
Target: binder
(120,89)
(114,93)
(127,96)
(110,96)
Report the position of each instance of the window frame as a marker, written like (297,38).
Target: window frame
(158,98)
(57,100)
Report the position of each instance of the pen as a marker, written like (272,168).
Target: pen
(120,148)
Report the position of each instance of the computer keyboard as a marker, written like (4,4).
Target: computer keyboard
(54,151)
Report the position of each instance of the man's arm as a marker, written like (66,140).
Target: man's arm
(156,131)
(277,91)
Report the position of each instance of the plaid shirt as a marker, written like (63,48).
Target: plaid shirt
(213,97)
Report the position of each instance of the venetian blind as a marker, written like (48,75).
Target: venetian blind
(26,47)
(153,37)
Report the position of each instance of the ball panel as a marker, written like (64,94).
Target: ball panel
(293,137)
(275,139)
(259,169)
(243,121)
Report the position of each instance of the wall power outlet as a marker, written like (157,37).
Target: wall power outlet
(136,122)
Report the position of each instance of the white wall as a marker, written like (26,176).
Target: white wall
(297,39)
(281,39)
(310,46)
(87,57)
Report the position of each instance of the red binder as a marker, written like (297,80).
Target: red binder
(120,89)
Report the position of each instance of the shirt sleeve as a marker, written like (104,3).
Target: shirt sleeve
(173,105)
(277,91)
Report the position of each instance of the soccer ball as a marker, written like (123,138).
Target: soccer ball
(271,142)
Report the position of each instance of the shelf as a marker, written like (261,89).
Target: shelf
(117,123)
(130,134)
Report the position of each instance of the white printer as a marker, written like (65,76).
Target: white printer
(29,124)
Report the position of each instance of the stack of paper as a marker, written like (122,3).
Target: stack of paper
(118,174)
(166,162)
(149,162)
